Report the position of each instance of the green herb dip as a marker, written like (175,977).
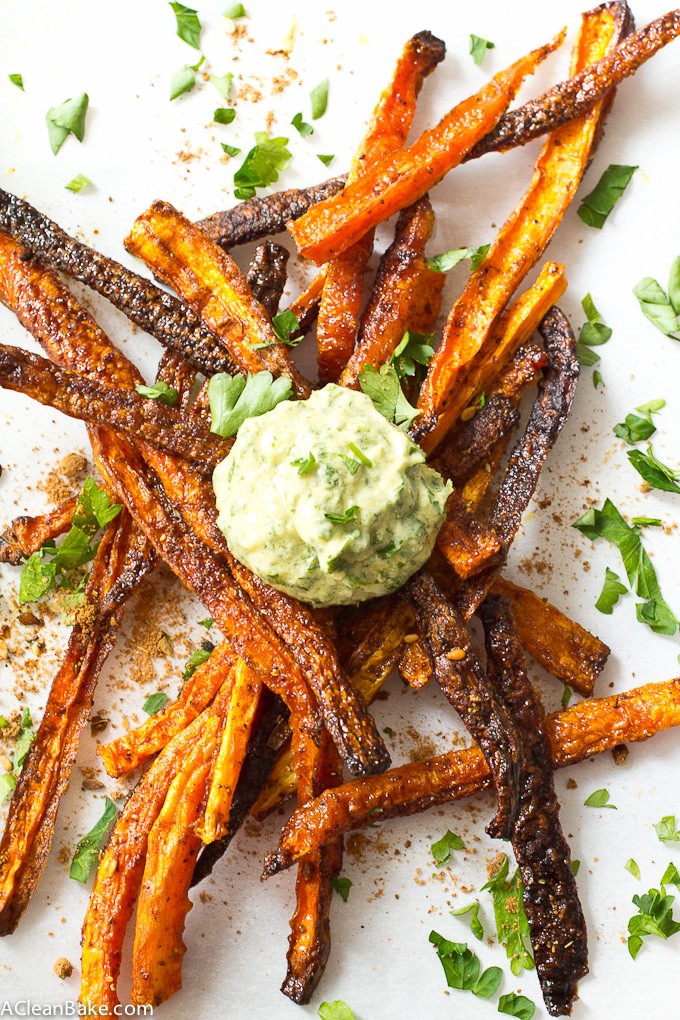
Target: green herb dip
(326,500)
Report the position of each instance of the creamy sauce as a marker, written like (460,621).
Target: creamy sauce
(326,500)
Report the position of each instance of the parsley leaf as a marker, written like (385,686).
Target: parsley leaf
(462,968)
(478,48)
(337,1010)
(349,515)
(654,917)
(37,578)
(301,126)
(304,464)
(657,305)
(224,115)
(654,472)
(25,738)
(596,207)
(671,876)
(222,84)
(160,391)
(516,1005)
(184,80)
(235,11)
(566,696)
(384,389)
(342,886)
(413,355)
(235,398)
(593,333)
(637,427)
(448,259)
(8,784)
(18,80)
(599,799)
(326,160)
(230,150)
(207,623)
(575,868)
(94,509)
(361,457)
(611,592)
(262,165)
(78,182)
(666,831)
(88,847)
(155,702)
(318,98)
(188,25)
(633,868)
(67,119)
(197,659)
(442,850)
(475,924)
(512,926)
(285,324)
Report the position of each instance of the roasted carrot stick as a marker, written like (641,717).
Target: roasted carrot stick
(467,544)
(400,179)
(25,535)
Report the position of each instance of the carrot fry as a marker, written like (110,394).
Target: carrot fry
(400,179)
(305,307)
(414,665)
(231,753)
(466,449)
(520,242)
(266,275)
(560,645)
(406,295)
(584,729)
(388,130)
(26,535)
(208,279)
(467,544)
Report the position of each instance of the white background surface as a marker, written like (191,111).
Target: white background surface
(123,55)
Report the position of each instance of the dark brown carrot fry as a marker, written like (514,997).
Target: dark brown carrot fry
(266,275)
(548,415)
(467,544)
(343,288)
(400,179)
(178,373)
(551,903)
(414,665)
(587,728)
(463,451)
(560,645)
(25,535)
(152,309)
(260,217)
(406,295)
(463,681)
(113,407)
(208,279)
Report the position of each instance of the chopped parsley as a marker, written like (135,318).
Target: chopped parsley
(184,80)
(657,474)
(304,464)
(301,126)
(661,308)
(476,926)
(8,784)
(361,457)
(462,968)
(384,388)
(442,850)
(596,207)
(87,850)
(318,99)
(197,659)
(67,119)
(285,325)
(230,150)
(516,1005)
(25,738)
(160,391)
(633,868)
(349,515)
(208,623)
(478,48)
(611,592)
(639,426)
(262,165)
(337,1010)
(222,83)
(666,830)
(566,696)
(654,917)
(326,160)
(599,799)
(224,115)
(78,182)
(448,259)
(342,886)
(188,25)
(155,702)
(235,11)
(18,80)
(512,926)
(412,356)
(235,398)
(593,333)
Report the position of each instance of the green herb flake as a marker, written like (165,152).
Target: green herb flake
(671,876)
(78,183)
(599,799)
(593,333)
(223,84)
(361,457)
(462,968)
(18,80)
(67,119)
(475,924)
(666,830)
(160,391)
(230,150)
(412,355)
(442,850)
(657,306)
(285,326)
(654,917)
(197,659)
(647,522)
(657,474)
(318,99)
(207,623)
(87,850)
(326,160)
(349,515)
(301,126)
(633,868)
(639,426)
(337,1010)
(516,1005)
(224,115)
(155,702)
(262,165)
(184,80)
(8,784)
(478,48)
(596,207)
(25,738)
(384,388)
(304,464)
(575,868)
(611,592)
(94,509)
(188,25)
(235,11)
(566,696)
(448,259)
(235,398)
(512,926)
(342,886)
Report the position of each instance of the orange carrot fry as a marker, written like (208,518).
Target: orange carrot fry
(467,544)
(25,535)
(400,179)
(414,665)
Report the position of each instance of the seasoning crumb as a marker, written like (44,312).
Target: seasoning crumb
(571,784)
(620,754)
(63,968)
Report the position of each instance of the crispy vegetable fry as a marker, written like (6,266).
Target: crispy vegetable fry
(267,275)
(414,665)
(562,647)
(520,242)
(260,217)
(208,279)
(551,903)
(152,309)
(231,752)
(467,544)
(113,407)
(305,307)
(402,178)
(26,535)
(343,288)
(406,295)
(467,448)
(578,732)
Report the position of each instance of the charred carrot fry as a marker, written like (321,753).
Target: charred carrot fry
(343,288)
(400,179)
(25,535)
(587,728)
(266,275)
(467,544)
(414,665)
